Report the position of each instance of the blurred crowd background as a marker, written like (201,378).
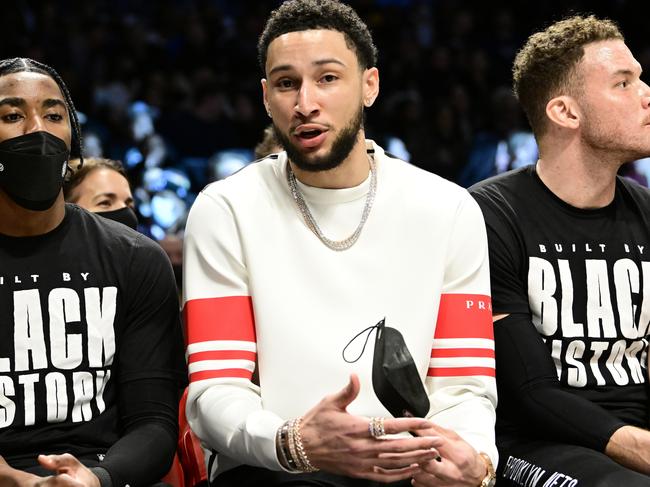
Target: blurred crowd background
(172,87)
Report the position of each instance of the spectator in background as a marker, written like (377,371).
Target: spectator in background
(101,186)
(173,247)
(505,144)
(268,145)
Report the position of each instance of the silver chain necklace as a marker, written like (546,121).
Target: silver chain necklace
(309,218)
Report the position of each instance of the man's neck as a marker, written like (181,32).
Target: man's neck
(17,221)
(350,173)
(582,178)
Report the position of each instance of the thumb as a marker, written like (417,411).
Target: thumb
(348,394)
(50,462)
(58,463)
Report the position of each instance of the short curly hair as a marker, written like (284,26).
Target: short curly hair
(298,15)
(546,66)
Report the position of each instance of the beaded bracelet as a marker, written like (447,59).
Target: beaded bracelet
(293,452)
(302,454)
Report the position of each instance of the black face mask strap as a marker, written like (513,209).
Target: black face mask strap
(368,330)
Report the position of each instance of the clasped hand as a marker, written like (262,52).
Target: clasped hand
(339,442)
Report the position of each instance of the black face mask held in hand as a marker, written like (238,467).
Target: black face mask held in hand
(395,377)
(125,216)
(32,168)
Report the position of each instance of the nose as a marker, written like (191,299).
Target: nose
(34,124)
(306,103)
(645,95)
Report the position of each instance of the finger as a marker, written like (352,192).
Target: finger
(348,394)
(50,462)
(384,475)
(445,469)
(405,459)
(422,478)
(429,454)
(58,463)
(431,481)
(62,480)
(442,431)
(401,445)
(402,425)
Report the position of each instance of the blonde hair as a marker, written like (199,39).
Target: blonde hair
(546,66)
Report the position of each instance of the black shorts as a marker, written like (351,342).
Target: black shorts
(534,463)
(247,476)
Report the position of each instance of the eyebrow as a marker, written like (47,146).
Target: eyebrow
(54,102)
(318,62)
(107,194)
(628,71)
(15,101)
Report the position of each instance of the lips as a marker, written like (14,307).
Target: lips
(310,135)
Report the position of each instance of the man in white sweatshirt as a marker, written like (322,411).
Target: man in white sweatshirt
(289,259)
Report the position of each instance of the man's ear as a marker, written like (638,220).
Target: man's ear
(564,111)
(370,86)
(265,96)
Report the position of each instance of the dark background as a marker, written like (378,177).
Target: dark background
(444,69)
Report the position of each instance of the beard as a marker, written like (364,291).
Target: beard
(341,148)
(617,144)
(609,136)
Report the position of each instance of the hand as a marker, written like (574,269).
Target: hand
(460,464)
(340,443)
(10,477)
(69,471)
(630,446)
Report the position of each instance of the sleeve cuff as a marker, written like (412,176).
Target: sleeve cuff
(104,477)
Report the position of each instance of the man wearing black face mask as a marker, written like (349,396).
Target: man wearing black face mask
(91,357)
(101,186)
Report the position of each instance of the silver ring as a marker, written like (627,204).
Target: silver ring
(376,427)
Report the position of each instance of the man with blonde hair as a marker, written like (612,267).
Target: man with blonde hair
(570,277)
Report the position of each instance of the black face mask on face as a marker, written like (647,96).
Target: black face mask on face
(125,215)
(32,168)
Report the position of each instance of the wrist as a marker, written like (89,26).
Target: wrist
(488,477)
(282,448)
(290,449)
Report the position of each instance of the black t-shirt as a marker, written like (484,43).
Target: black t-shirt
(582,277)
(84,309)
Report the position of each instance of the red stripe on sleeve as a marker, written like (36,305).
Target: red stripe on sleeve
(226,318)
(461,352)
(222,355)
(464,316)
(461,371)
(220,374)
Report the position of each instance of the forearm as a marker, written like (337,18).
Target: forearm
(473,420)
(231,420)
(141,457)
(528,379)
(630,446)
(564,416)
(149,415)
